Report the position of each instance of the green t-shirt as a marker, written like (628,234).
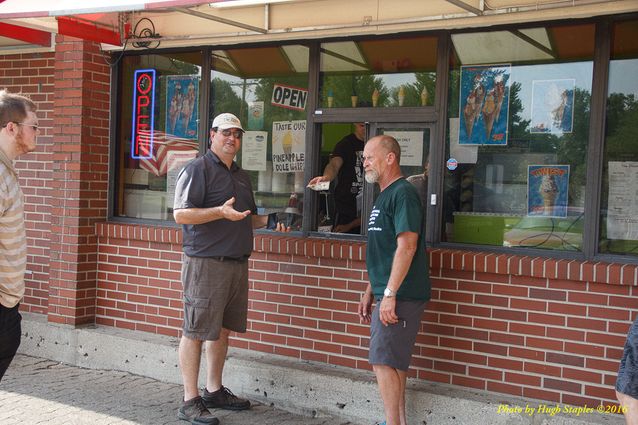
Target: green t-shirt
(397,209)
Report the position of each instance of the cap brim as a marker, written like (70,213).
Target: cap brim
(227,126)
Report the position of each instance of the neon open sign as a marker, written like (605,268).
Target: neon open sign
(143,114)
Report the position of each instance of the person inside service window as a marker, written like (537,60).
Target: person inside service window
(346,166)
(214,203)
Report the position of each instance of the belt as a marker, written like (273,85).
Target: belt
(235,259)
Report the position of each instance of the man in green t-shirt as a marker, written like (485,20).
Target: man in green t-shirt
(399,274)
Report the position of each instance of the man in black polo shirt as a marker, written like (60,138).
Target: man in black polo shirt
(214,203)
(346,166)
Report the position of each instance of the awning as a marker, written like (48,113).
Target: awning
(32,22)
(140,24)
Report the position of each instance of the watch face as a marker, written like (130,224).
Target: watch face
(387,292)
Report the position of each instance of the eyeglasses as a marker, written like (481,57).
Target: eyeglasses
(236,134)
(35,127)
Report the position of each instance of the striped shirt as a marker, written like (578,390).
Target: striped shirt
(13,240)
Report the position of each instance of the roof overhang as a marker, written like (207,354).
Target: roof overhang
(139,24)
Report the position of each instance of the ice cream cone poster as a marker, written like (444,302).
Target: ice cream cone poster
(552,106)
(484,104)
(182,98)
(547,187)
(288,146)
(255,115)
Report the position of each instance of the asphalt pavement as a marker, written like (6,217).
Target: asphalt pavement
(41,391)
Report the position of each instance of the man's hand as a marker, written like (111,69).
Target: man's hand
(365,307)
(318,179)
(230,213)
(345,228)
(281,227)
(387,313)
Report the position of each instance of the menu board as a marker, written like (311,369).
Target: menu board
(622,206)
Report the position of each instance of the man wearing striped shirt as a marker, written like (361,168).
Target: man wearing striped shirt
(18,131)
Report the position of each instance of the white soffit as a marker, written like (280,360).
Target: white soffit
(342,56)
(297,56)
(496,47)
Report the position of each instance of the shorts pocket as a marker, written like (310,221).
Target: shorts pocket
(195,313)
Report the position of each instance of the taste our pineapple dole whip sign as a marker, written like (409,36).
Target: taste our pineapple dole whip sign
(288,146)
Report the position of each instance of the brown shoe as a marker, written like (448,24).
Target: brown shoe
(224,399)
(196,413)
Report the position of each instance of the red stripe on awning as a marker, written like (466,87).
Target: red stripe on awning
(30,35)
(86,31)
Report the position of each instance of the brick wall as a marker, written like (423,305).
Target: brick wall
(79,189)
(33,75)
(531,327)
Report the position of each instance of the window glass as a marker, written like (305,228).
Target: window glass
(157,131)
(518,133)
(619,196)
(267,88)
(378,73)
(341,197)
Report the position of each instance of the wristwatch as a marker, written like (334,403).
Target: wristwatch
(387,292)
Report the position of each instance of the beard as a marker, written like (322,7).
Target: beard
(21,144)
(372,176)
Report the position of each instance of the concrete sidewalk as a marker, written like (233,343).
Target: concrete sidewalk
(127,377)
(40,391)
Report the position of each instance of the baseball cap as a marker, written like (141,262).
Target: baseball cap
(226,120)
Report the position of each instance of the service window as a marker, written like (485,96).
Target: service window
(157,133)
(358,75)
(516,153)
(619,197)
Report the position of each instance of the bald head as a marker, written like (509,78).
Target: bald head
(381,157)
(388,144)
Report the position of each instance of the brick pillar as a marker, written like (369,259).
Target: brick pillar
(80,178)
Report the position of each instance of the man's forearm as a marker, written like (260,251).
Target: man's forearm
(197,215)
(407,243)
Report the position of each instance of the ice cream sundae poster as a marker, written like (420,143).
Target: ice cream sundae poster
(547,187)
(288,146)
(182,98)
(484,104)
(552,106)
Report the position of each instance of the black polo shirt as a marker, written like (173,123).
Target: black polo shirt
(206,182)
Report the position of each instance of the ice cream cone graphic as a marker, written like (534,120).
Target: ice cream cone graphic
(469,113)
(489,113)
(401,95)
(549,192)
(353,99)
(286,142)
(499,93)
(375,97)
(330,98)
(424,96)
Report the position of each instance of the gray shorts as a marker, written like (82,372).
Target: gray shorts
(215,296)
(627,381)
(392,345)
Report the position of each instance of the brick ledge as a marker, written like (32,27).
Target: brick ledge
(445,259)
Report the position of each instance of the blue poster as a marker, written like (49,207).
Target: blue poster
(182,99)
(547,187)
(484,104)
(553,106)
